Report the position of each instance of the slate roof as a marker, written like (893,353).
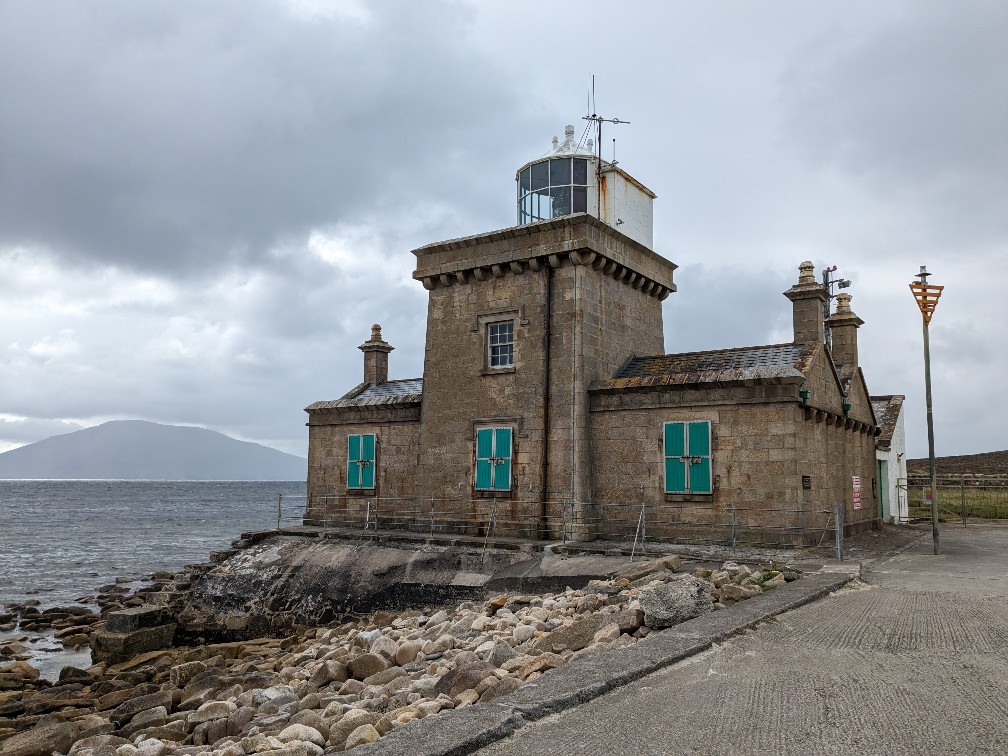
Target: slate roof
(887,409)
(405,391)
(717,366)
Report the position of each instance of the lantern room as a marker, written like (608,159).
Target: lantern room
(571,178)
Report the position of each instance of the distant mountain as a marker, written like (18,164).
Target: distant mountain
(139,450)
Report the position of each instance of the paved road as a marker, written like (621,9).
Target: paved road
(913,660)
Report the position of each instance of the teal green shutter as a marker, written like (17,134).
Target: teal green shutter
(484,458)
(353,461)
(675,450)
(700,457)
(368,461)
(502,454)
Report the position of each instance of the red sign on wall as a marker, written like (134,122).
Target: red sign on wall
(856,482)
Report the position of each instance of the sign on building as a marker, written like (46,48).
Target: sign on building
(857,491)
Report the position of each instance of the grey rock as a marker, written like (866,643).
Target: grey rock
(365,665)
(503,687)
(501,653)
(676,601)
(571,637)
(49,734)
(463,678)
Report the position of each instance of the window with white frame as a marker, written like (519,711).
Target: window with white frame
(500,344)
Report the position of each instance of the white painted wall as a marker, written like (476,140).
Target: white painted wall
(896,459)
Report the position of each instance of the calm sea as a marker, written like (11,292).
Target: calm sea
(61,539)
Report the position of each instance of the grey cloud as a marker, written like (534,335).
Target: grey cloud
(917,107)
(168,136)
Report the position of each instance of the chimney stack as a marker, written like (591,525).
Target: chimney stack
(843,327)
(376,353)
(808,298)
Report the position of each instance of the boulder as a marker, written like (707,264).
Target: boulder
(384,646)
(500,653)
(277,695)
(348,723)
(181,674)
(571,637)
(366,665)
(50,733)
(539,664)
(363,734)
(503,687)
(463,678)
(676,601)
(314,720)
(212,710)
(125,711)
(328,672)
(628,620)
(408,652)
(522,633)
(301,732)
(607,633)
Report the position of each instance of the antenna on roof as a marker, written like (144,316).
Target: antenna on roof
(596,120)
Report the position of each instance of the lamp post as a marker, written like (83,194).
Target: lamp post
(927,296)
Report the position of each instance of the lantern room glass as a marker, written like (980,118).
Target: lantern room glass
(552,188)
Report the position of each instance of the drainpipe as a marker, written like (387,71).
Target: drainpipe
(543,506)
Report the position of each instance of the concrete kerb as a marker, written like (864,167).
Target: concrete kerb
(466,730)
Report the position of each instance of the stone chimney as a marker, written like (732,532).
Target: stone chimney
(375,357)
(808,298)
(843,332)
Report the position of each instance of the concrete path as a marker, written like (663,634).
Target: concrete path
(912,660)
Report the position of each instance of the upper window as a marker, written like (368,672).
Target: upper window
(688,457)
(493,459)
(361,460)
(500,344)
(551,189)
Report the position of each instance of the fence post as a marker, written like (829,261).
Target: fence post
(733,530)
(962,494)
(563,532)
(279,509)
(839,533)
(432,515)
(486,540)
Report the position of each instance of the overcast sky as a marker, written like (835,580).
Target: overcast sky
(205,205)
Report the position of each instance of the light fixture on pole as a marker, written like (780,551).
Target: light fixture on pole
(927,296)
(828,282)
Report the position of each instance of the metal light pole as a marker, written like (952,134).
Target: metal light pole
(927,296)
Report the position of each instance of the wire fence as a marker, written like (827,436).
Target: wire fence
(546,516)
(959,497)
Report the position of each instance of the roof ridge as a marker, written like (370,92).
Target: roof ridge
(726,349)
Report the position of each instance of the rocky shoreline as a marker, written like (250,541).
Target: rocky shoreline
(328,689)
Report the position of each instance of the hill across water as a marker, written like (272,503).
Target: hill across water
(141,450)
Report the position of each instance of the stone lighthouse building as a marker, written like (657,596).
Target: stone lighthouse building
(548,409)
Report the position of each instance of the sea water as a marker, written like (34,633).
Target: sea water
(62,539)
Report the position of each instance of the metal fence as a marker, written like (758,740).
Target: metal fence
(533,515)
(960,497)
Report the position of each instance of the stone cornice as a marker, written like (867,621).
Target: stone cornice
(372,413)
(578,239)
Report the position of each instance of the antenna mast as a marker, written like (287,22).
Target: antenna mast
(597,120)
